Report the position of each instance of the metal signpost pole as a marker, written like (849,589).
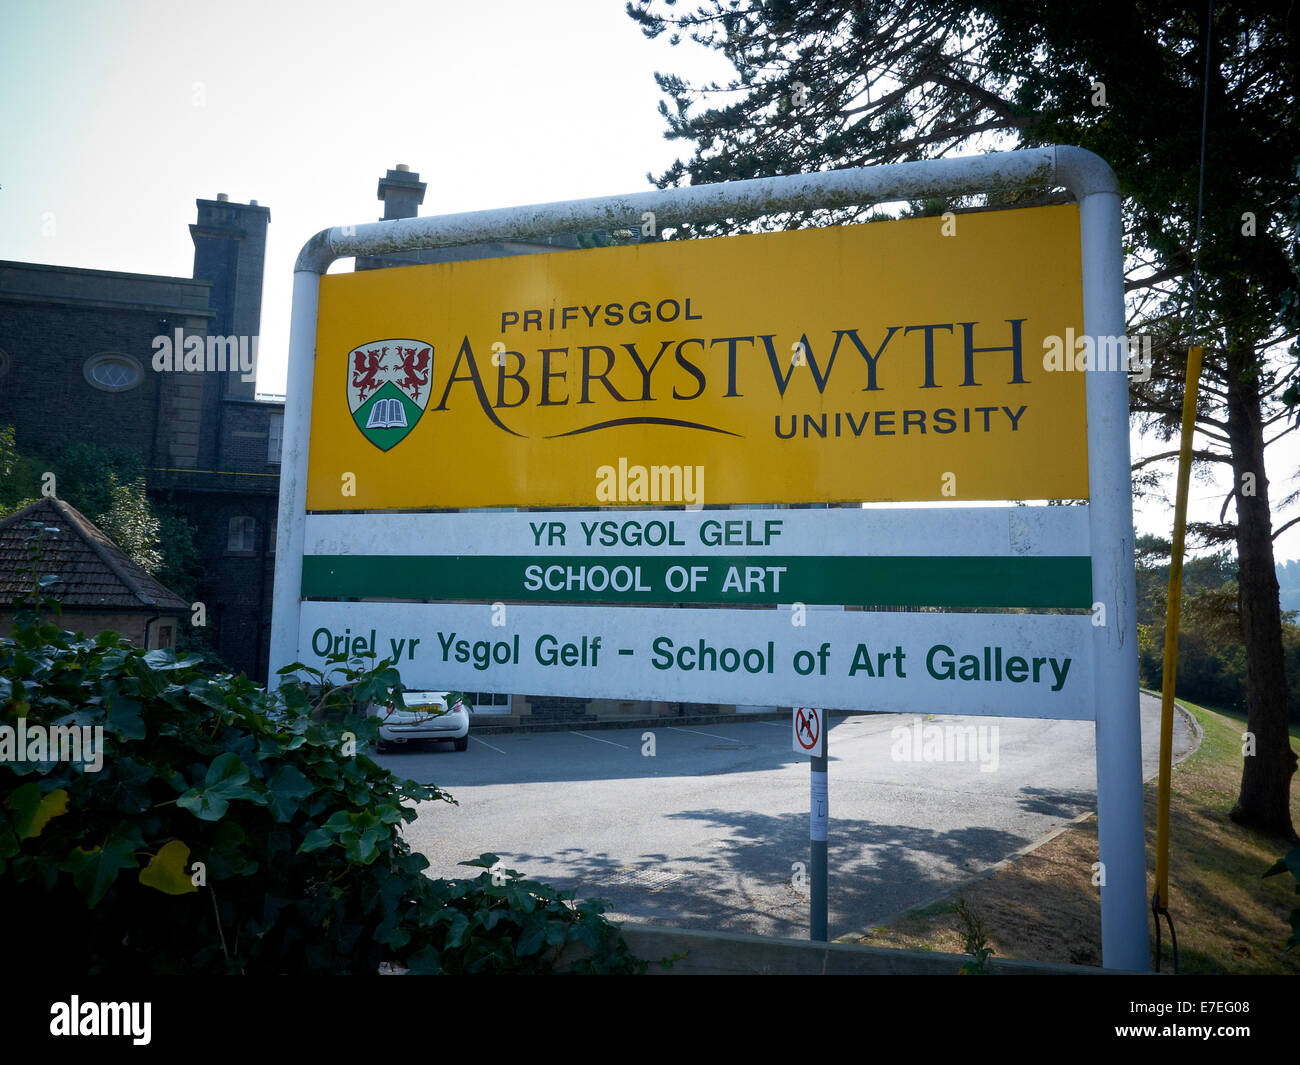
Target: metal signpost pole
(819,816)
(810,738)
(291,526)
(1121,835)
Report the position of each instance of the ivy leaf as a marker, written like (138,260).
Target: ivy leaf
(317,839)
(285,792)
(124,718)
(95,870)
(161,660)
(456,929)
(32,811)
(226,779)
(167,870)
(1289,861)
(230,854)
(532,940)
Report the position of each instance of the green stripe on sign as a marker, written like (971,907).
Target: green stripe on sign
(850,581)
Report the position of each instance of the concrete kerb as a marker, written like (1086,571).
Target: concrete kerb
(736,953)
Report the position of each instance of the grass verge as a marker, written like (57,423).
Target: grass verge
(1044,907)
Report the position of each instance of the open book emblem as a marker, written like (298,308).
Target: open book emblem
(387,414)
(388,388)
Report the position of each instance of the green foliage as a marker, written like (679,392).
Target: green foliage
(232,830)
(501,923)
(974,939)
(131,523)
(1211,655)
(1290,863)
(89,475)
(8,452)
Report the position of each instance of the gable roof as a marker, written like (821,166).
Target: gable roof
(95,573)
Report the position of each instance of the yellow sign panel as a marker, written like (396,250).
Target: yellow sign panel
(887,361)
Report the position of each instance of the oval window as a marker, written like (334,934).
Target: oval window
(113,371)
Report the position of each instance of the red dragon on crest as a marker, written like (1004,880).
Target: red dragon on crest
(369,365)
(415,365)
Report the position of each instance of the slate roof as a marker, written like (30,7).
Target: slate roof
(96,573)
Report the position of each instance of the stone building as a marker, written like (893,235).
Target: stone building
(164,367)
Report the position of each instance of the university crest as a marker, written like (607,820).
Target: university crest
(388,388)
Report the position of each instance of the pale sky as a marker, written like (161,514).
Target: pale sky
(115,117)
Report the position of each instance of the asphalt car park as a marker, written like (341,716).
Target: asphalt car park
(705,826)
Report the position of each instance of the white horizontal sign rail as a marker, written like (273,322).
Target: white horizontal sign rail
(959,531)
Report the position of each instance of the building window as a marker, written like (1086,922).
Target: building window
(275,437)
(242,537)
(164,636)
(112,371)
(270,534)
(5,362)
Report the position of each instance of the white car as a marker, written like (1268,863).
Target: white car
(426,716)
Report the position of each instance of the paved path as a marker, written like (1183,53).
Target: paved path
(705,833)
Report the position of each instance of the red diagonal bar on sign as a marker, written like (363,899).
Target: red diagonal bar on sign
(805,726)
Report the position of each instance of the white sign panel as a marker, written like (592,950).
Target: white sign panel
(1010,665)
(950,531)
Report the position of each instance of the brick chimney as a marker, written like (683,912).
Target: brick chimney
(402,193)
(230,251)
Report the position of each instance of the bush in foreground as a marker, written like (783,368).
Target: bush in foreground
(232,830)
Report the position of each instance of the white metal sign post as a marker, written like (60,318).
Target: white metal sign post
(1032,665)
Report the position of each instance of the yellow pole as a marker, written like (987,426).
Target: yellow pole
(1172,610)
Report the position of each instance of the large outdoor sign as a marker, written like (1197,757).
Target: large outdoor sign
(886,361)
(1010,665)
(643,411)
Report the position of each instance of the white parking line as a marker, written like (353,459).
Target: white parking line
(599,740)
(773,724)
(486,744)
(711,735)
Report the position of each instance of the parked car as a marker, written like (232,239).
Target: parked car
(425,715)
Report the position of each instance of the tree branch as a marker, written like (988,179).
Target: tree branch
(1283,528)
(1205,456)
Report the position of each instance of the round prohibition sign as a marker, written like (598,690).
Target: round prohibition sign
(807,724)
